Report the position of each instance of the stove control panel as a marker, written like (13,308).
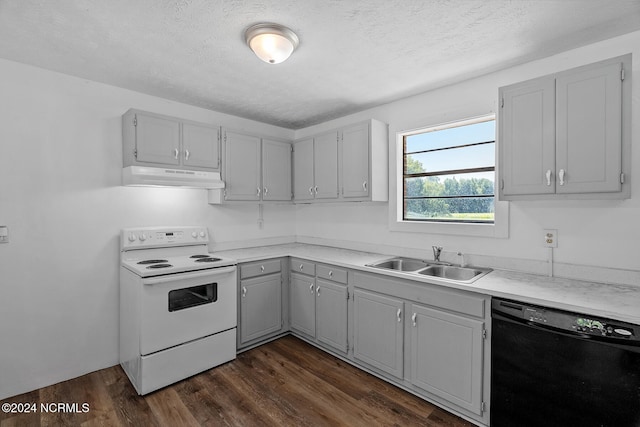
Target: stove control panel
(152,237)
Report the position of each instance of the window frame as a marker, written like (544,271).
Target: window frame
(498,229)
(452,125)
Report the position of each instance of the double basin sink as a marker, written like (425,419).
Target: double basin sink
(418,267)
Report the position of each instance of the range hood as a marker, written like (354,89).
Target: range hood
(146,176)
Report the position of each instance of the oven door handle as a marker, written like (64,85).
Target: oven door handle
(172,278)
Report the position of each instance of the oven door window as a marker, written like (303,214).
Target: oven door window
(180,299)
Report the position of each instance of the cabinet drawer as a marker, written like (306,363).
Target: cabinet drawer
(302,266)
(259,268)
(332,273)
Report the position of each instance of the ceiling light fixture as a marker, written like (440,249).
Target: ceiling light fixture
(273,43)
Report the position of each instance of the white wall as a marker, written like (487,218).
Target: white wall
(62,199)
(591,233)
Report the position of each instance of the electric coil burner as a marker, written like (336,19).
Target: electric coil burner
(155,266)
(177,306)
(208,259)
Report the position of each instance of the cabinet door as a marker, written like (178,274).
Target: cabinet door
(260,307)
(302,304)
(378,331)
(276,170)
(527,137)
(355,161)
(303,170)
(201,146)
(589,130)
(157,140)
(331,314)
(242,166)
(446,356)
(325,166)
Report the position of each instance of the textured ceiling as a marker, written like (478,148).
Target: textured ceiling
(353,54)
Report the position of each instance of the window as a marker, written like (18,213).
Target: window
(449,173)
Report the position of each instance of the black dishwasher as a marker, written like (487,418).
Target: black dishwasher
(557,368)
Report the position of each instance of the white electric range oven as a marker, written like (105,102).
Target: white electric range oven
(177,305)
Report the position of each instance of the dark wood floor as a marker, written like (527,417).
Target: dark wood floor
(283,383)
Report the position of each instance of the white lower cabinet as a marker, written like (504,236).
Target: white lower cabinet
(302,303)
(331,314)
(260,300)
(446,356)
(425,338)
(428,339)
(261,307)
(318,303)
(378,335)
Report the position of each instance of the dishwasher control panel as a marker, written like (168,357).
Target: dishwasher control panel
(567,321)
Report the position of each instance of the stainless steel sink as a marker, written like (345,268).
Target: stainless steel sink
(413,267)
(401,264)
(459,274)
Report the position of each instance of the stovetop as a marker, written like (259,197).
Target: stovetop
(148,264)
(153,251)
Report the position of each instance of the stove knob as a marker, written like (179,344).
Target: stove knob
(132,237)
(143,237)
(203,234)
(194,234)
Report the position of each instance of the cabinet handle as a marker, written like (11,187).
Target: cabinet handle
(330,273)
(364,186)
(258,190)
(311,190)
(244,291)
(548,175)
(265,190)
(186,154)
(176,152)
(399,315)
(318,290)
(262,268)
(301,267)
(561,176)
(316,190)
(311,287)
(414,319)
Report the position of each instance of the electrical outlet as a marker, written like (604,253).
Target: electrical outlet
(550,238)
(4,234)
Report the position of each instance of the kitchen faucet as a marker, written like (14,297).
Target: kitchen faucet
(436,253)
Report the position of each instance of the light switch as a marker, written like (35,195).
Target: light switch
(4,234)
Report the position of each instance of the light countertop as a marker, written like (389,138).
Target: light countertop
(620,302)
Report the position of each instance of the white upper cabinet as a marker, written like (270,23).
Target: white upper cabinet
(355,161)
(241,170)
(589,130)
(303,180)
(200,146)
(347,164)
(315,168)
(527,137)
(364,162)
(276,170)
(155,140)
(567,135)
(256,169)
(325,166)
